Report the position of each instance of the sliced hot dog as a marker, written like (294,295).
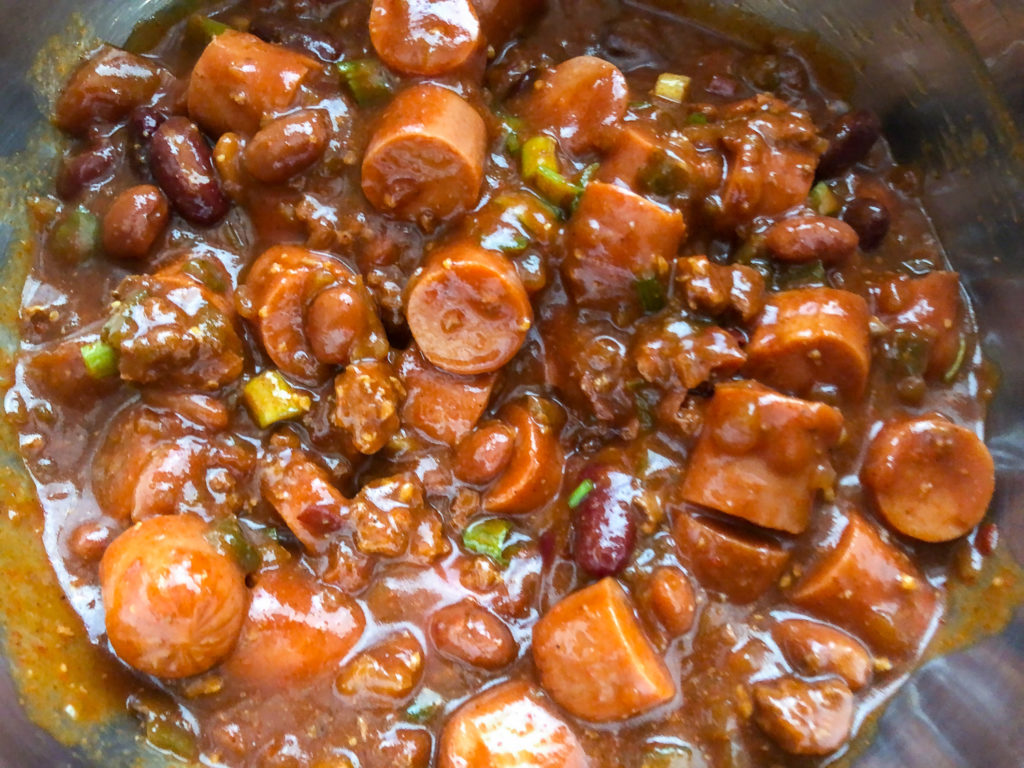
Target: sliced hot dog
(534,473)
(426,158)
(239,80)
(762,456)
(578,102)
(810,337)
(928,307)
(929,478)
(594,659)
(424,37)
(468,309)
(617,238)
(870,588)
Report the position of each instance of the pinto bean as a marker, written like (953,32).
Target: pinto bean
(482,454)
(929,478)
(425,160)
(810,237)
(804,718)
(388,671)
(595,628)
(472,634)
(534,472)
(287,146)
(468,309)
(183,167)
(134,221)
(105,89)
(90,540)
(174,604)
(818,649)
(850,138)
(605,522)
(670,594)
(424,37)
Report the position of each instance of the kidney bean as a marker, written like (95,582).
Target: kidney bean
(88,167)
(806,238)
(142,125)
(870,219)
(484,452)
(850,138)
(605,527)
(470,633)
(183,167)
(134,221)
(287,146)
(310,41)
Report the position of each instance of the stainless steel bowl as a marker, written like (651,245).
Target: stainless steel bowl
(913,64)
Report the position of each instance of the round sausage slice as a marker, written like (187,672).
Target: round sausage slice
(468,310)
(930,478)
(425,161)
(424,37)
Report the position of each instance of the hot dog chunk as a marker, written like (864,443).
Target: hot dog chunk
(424,37)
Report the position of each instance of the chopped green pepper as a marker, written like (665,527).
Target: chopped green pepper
(76,237)
(367,79)
(512,126)
(663,174)
(488,537)
(672,87)
(538,152)
(556,188)
(165,727)
(907,352)
(697,118)
(580,493)
(207,274)
(427,703)
(651,294)
(100,359)
(824,200)
(668,756)
(806,275)
(227,536)
(202,29)
(506,241)
(272,399)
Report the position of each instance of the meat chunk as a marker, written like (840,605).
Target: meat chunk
(367,400)
(675,353)
(385,513)
(596,629)
(720,290)
(762,456)
(810,338)
(804,718)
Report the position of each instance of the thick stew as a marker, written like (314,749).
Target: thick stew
(491,383)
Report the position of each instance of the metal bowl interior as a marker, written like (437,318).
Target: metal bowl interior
(910,62)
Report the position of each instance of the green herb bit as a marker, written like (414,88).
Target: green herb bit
(76,237)
(908,352)
(651,294)
(228,538)
(506,241)
(556,188)
(165,727)
(100,359)
(668,756)
(697,118)
(366,79)
(824,200)
(202,29)
(427,703)
(580,493)
(272,399)
(588,174)
(512,127)
(958,362)
(488,537)
(672,87)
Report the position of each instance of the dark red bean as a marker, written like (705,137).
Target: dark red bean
(183,167)
(296,37)
(850,138)
(870,219)
(605,524)
(142,125)
(89,167)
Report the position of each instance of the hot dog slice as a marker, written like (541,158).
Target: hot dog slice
(812,337)
(424,37)
(929,308)
(594,630)
(468,309)
(501,18)
(534,473)
(929,478)
(762,456)
(425,161)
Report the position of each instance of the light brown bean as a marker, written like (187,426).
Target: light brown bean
(134,221)
(287,146)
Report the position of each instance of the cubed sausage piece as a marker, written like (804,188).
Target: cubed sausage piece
(296,630)
(812,337)
(441,405)
(632,152)
(424,37)
(615,239)
(870,588)
(534,473)
(287,146)
(740,566)
(426,158)
(482,454)
(239,80)
(105,89)
(367,397)
(670,595)
(929,478)
(762,456)
(509,726)
(174,604)
(930,308)
(816,649)
(303,495)
(804,718)
(470,633)
(388,671)
(717,289)
(594,630)
(468,310)
(809,237)
(134,221)
(500,19)
(579,102)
